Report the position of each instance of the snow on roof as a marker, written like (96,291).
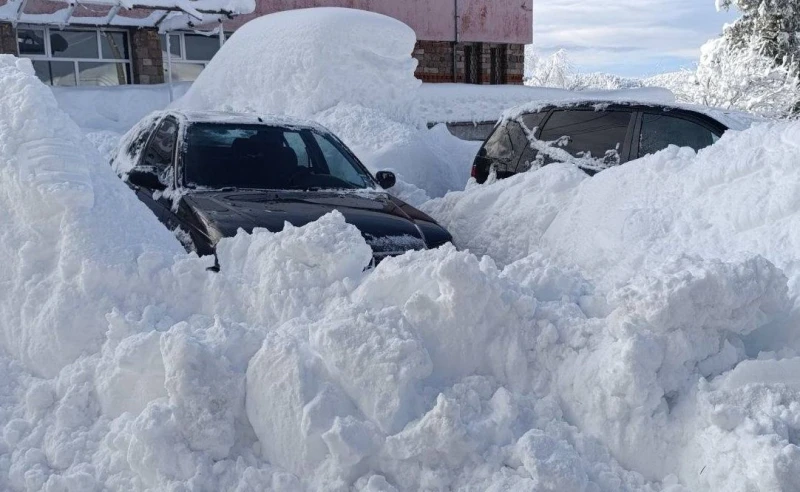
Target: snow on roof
(465,102)
(249,118)
(164,14)
(735,120)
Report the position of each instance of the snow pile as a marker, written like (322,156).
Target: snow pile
(71,228)
(129,366)
(309,60)
(116,108)
(732,199)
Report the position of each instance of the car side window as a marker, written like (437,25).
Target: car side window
(532,123)
(660,130)
(505,147)
(160,151)
(338,164)
(138,142)
(598,135)
(295,141)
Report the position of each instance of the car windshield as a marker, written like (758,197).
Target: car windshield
(266,157)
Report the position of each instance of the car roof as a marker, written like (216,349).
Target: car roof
(734,120)
(226,117)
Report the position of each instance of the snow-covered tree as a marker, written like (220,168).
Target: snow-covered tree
(755,65)
(551,71)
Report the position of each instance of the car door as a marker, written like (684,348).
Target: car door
(596,139)
(158,157)
(658,129)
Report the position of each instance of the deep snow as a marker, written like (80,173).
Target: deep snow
(632,331)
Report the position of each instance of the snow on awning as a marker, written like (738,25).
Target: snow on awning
(162,14)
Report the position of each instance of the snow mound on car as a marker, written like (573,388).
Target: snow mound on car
(309,60)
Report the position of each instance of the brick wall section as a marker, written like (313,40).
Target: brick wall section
(8,39)
(436,61)
(147,63)
(515,63)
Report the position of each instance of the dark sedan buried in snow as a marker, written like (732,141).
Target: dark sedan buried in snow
(207,175)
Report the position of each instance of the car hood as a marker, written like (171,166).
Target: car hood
(387,224)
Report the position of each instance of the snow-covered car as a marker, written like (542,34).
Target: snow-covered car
(595,135)
(206,175)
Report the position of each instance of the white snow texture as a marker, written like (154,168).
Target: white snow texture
(636,331)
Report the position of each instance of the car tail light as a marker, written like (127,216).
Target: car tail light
(474,172)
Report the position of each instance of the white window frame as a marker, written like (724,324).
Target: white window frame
(48,53)
(181,58)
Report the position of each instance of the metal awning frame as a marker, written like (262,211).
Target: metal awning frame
(196,16)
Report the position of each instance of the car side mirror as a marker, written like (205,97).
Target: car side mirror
(386,179)
(145,179)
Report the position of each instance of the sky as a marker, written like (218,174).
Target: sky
(627,37)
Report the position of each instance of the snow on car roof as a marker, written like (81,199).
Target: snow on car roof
(734,120)
(465,102)
(246,118)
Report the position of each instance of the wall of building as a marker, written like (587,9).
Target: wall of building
(8,39)
(492,21)
(436,62)
(484,25)
(146,57)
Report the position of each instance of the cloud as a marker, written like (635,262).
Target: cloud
(627,37)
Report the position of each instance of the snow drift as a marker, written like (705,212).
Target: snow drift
(128,366)
(309,60)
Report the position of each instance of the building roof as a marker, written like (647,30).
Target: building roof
(164,14)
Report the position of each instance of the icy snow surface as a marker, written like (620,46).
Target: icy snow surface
(636,331)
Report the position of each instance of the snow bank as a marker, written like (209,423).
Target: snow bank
(71,229)
(609,346)
(114,109)
(309,60)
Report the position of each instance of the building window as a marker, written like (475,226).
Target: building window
(498,61)
(472,63)
(190,53)
(72,57)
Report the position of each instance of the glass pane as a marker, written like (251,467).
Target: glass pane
(295,141)
(505,147)
(102,73)
(200,47)
(30,41)
(588,134)
(183,72)
(339,165)
(42,69)
(159,154)
(74,44)
(114,45)
(174,46)
(660,131)
(63,73)
(263,157)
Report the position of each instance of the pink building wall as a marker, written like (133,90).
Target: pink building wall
(491,21)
